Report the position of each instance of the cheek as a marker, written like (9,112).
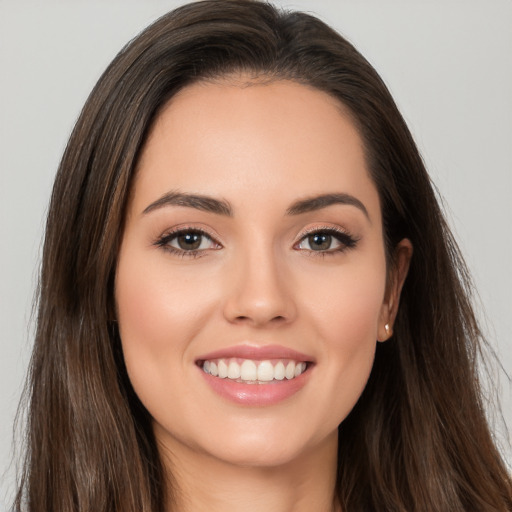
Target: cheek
(354,318)
(158,316)
(345,316)
(154,302)
(354,314)
(346,302)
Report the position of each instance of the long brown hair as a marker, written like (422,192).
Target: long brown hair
(417,440)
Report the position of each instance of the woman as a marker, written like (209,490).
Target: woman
(249,296)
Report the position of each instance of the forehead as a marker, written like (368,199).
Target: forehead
(224,139)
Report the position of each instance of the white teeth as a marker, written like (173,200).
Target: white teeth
(223,369)
(290,370)
(254,371)
(279,371)
(248,370)
(233,370)
(265,371)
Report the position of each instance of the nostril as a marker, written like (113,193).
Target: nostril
(256,310)
(276,319)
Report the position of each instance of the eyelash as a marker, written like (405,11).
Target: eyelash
(346,240)
(165,240)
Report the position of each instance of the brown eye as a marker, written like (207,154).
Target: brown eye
(320,241)
(189,241)
(327,241)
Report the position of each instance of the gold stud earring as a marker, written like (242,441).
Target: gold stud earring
(387,329)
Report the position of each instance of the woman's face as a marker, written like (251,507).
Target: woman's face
(253,248)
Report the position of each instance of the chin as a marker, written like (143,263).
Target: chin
(267,447)
(258,455)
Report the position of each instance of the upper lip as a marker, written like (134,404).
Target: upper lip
(257,353)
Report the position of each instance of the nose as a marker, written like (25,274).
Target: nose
(260,292)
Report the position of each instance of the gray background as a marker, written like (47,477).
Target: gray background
(448,64)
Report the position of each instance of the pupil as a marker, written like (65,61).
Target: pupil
(320,241)
(189,242)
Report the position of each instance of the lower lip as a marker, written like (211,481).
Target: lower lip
(256,395)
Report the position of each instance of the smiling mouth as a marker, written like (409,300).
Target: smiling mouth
(250,371)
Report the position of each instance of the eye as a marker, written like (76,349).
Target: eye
(187,242)
(192,241)
(326,241)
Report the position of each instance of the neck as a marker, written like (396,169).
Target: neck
(202,483)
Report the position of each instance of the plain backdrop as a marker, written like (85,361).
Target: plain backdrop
(448,64)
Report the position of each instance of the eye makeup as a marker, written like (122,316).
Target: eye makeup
(187,242)
(195,242)
(326,240)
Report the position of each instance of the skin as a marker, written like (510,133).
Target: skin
(259,147)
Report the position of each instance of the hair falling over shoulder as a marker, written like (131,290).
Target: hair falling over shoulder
(417,440)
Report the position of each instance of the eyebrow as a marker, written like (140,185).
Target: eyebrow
(197,201)
(311,204)
(221,207)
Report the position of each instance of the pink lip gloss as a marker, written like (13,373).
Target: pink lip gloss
(267,388)
(264,394)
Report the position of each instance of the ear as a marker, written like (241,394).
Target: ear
(398,272)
